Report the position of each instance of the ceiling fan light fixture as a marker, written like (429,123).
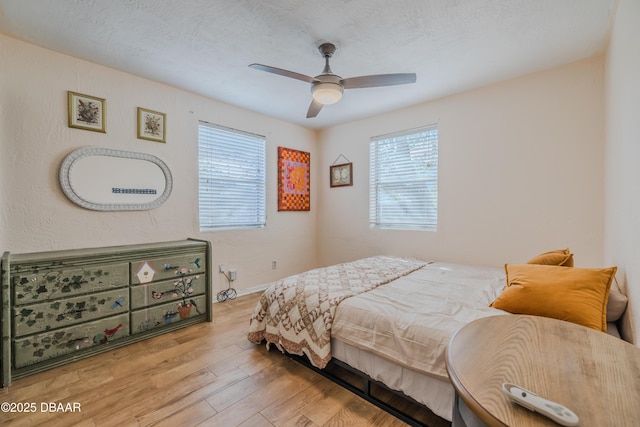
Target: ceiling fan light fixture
(326,92)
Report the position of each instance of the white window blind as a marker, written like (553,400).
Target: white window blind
(231,178)
(403,180)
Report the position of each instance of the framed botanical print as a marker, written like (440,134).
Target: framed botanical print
(87,112)
(341,175)
(294,188)
(152,125)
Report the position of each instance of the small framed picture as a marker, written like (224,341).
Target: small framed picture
(87,112)
(341,175)
(152,125)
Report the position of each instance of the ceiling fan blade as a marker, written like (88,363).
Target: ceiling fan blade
(314,108)
(285,73)
(378,80)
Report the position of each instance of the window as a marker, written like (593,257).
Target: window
(231,170)
(403,180)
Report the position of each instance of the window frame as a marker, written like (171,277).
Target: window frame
(397,177)
(231,177)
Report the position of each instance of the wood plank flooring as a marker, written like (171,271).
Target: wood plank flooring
(207,374)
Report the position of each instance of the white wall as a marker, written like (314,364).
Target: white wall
(521,171)
(36,216)
(622,218)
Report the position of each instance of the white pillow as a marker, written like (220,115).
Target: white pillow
(617,303)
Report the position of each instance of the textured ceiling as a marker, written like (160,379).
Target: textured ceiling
(205,46)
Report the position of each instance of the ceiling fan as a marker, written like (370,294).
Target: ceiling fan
(327,88)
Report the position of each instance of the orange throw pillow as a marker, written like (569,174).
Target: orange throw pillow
(577,295)
(562,257)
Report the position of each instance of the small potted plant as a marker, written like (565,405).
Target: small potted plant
(184,289)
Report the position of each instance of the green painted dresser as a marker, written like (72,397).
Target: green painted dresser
(61,306)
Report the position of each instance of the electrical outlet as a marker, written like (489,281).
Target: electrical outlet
(221,268)
(233,275)
(274,265)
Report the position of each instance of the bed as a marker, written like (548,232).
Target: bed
(388,317)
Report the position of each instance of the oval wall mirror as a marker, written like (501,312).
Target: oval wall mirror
(103,179)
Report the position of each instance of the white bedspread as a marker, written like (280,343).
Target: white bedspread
(410,320)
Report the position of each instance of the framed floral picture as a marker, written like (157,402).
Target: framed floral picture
(152,125)
(294,188)
(87,112)
(341,175)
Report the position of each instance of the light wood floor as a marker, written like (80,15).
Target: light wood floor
(206,374)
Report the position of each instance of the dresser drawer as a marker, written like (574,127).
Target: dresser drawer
(156,269)
(48,345)
(166,291)
(29,319)
(153,317)
(33,284)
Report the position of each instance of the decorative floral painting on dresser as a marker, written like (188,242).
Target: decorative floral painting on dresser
(60,311)
(167,294)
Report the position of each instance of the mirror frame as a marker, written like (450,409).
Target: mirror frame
(67,184)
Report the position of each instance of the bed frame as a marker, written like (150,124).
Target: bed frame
(394,402)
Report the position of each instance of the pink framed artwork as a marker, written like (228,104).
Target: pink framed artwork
(294,187)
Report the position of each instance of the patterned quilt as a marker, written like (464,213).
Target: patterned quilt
(296,313)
